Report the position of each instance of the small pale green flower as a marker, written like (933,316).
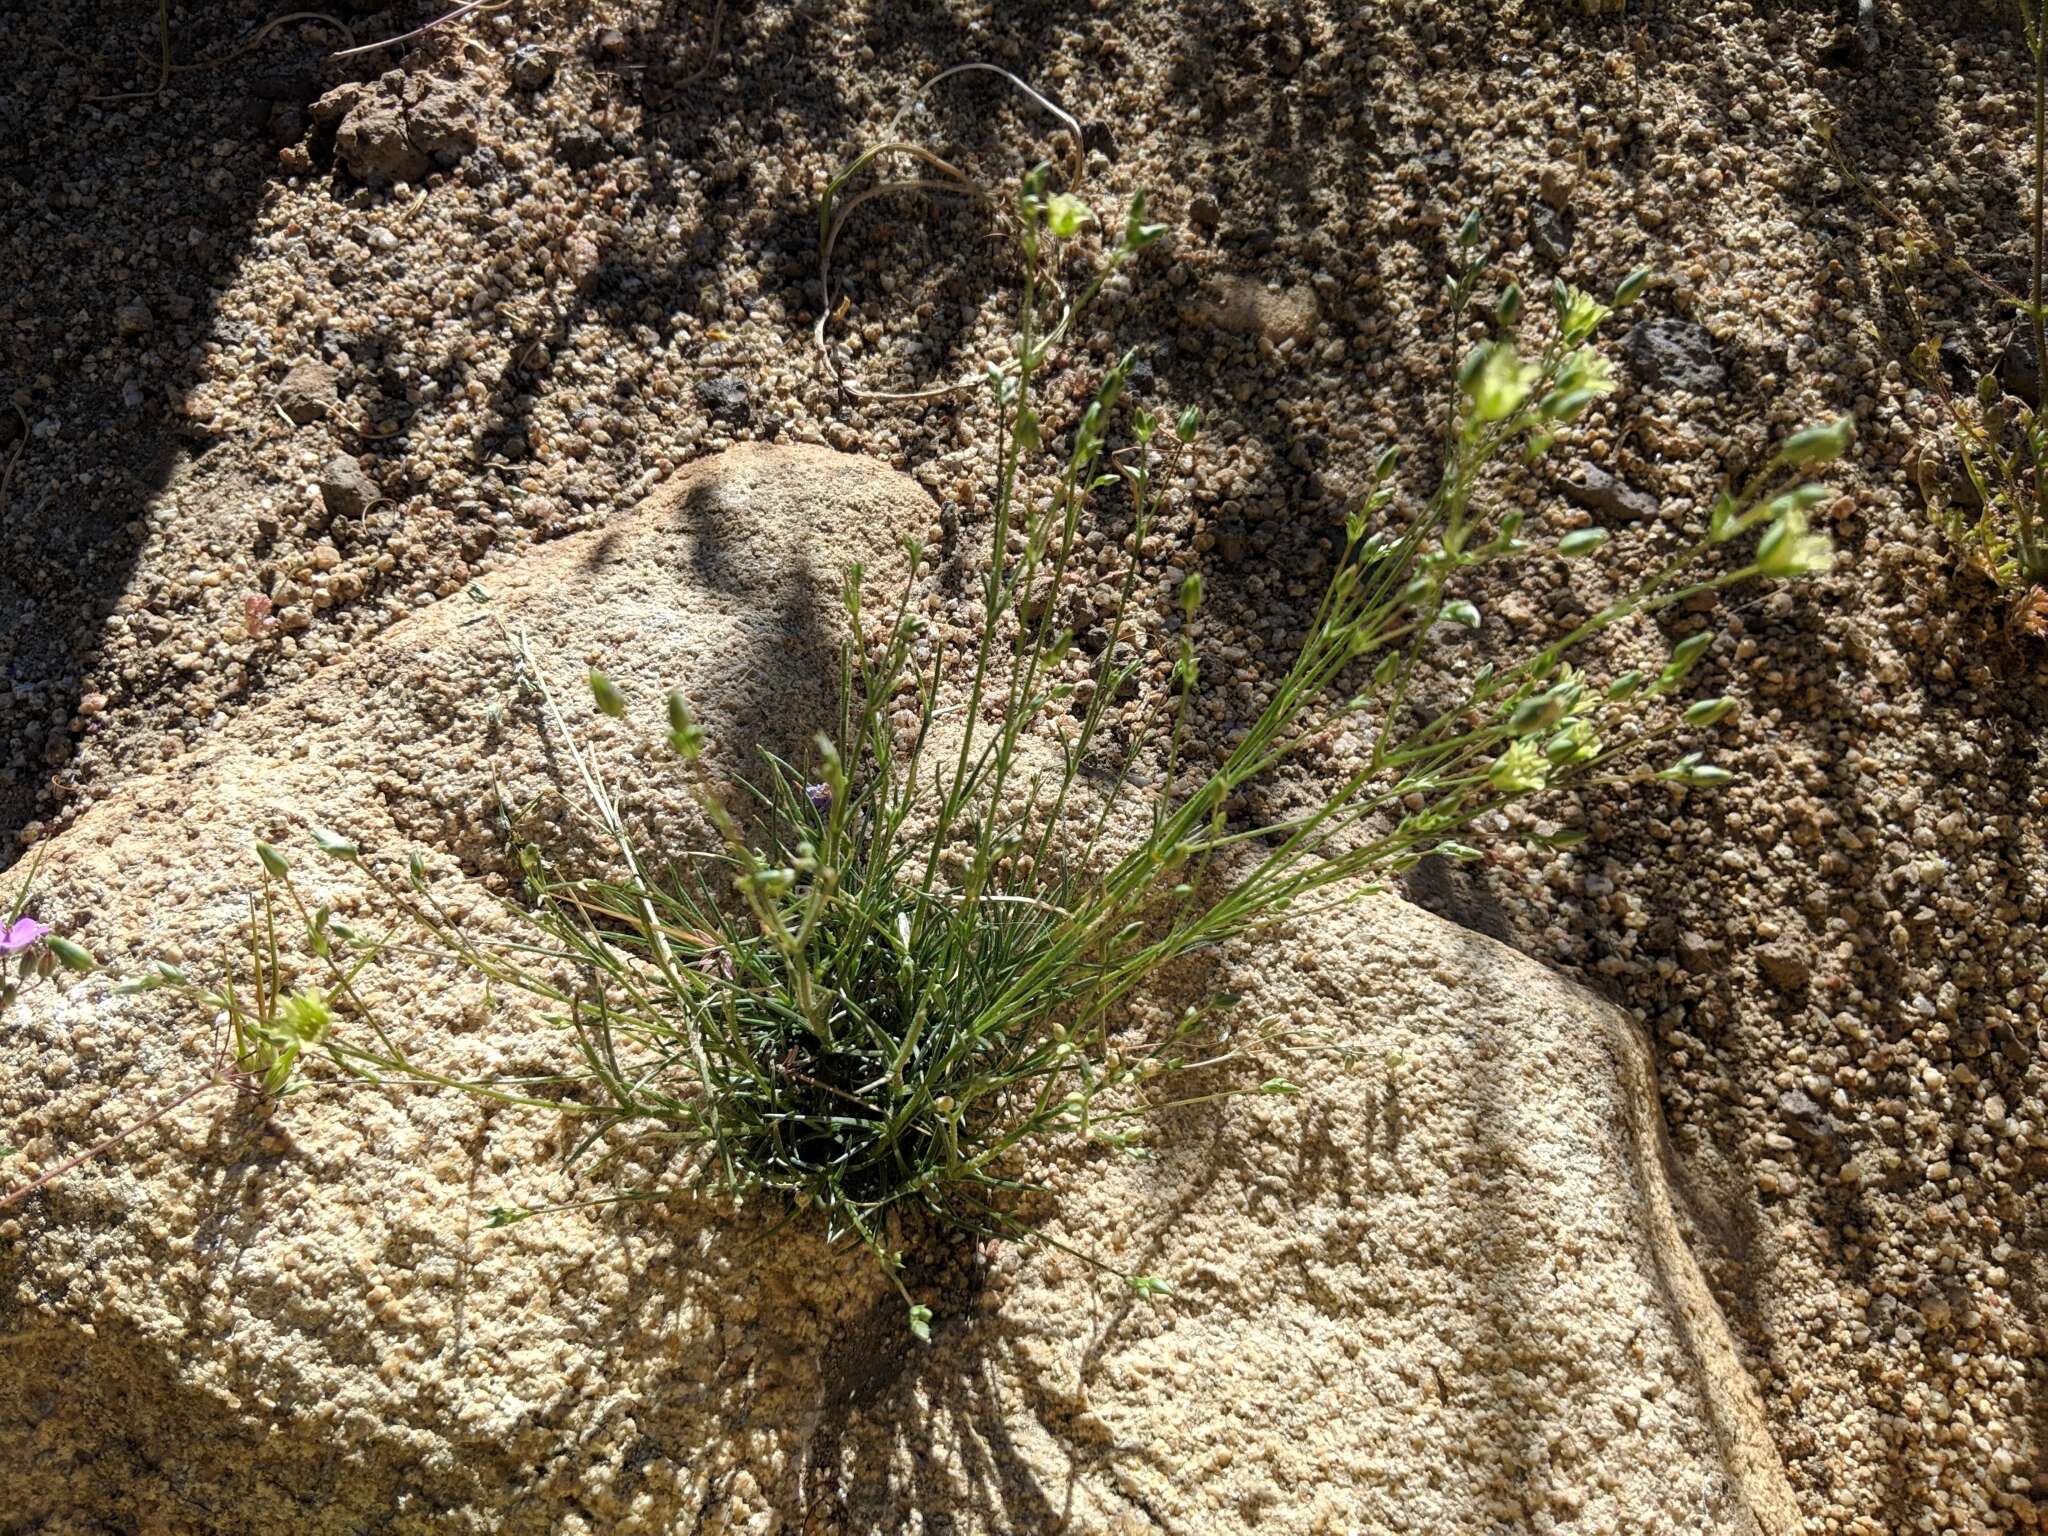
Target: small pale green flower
(1586,369)
(1789,549)
(306,1016)
(1580,315)
(1501,383)
(1519,770)
(1065,214)
(1583,378)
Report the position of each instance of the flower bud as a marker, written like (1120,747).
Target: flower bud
(1683,655)
(1690,771)
(1547,708)
(1582,541)
(1568,404)
(1818,445)
(73,957)
(1473,365)
(1575,743)
(1624,686)
(334,845)
(609,700)
(1708,711)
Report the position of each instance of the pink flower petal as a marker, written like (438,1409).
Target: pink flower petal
(21,933)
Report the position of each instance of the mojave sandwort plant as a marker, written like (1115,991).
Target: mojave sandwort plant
(898,967)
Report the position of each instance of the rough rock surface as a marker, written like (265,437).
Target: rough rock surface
(1445,1290)
(1673,354)
(345,489)
(1551,233)
(307,392)
(1597,491)
(399,126)
(1251,309)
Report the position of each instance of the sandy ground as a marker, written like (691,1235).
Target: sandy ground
(1839,962)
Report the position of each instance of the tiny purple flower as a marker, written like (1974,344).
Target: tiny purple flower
(716,961)
(19,934)
(820,797)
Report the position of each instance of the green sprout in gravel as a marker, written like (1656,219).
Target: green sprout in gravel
(261,1030)
(2002,438)
(902,968)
